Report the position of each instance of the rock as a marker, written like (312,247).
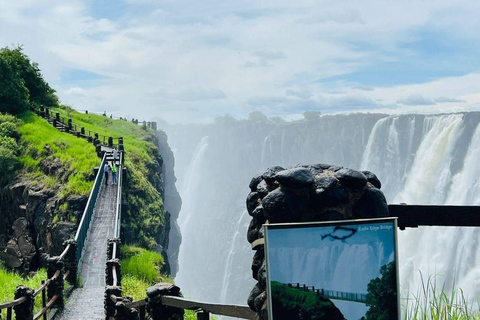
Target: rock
(263,189)
(259,301)
(335,196)
(262,275)
(253,200)
(351,178)
(52,166)
(372,205)
(257,262)
(254,182)
(26,247)
(282,205)
(372,178)
(258,216)
(20,227)
(61,232)
(325,181)
(256,291)
(269,175)
(252,233)
(295,178)
(11,255)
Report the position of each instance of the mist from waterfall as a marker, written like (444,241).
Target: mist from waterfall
(419,159)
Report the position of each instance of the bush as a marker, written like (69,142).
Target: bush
(8,165)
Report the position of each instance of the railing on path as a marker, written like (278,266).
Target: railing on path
(331,294)
(59,269)
(66,125)
(81,234)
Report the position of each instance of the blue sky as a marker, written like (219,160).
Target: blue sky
(191,61)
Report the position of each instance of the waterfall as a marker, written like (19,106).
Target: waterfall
(419,159)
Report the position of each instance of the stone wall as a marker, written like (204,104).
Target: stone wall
(306,193)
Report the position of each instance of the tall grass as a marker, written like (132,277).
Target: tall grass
(10,280)
(140,270)
(432,302)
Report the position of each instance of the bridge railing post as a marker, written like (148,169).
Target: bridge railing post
(71,262)
(111,294)
(203,315)
(124,313)
(56,286)
(24,310)
(155,308)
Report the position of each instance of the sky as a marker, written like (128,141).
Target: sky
(191,61)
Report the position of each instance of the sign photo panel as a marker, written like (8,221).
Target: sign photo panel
(333,270)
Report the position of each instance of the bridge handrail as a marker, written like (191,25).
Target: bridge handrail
(82,229)
(118,218)
(237,311)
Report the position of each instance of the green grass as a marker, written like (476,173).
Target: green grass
(143,264)
(10,280)
(134,283)
(145,214)
(436,303)
(77,156)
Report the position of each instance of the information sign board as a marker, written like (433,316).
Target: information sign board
(332,270)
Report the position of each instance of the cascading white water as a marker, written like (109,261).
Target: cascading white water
(419,160)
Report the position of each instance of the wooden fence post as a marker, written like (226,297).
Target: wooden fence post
(155,308)
(56,286)
(24,310)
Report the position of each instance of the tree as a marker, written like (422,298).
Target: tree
(29,72)
(382,295)
(311,115)
(257,116)
(13,93)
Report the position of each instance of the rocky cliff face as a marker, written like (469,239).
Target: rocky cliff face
(27,228)
(172,201)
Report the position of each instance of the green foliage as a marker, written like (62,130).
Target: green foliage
(46,143)
(10,280)
(13,93)
(434,303)
(9,148)
(382,294)
(145,214)
(311,115)
(294,303)
(29,73)
(142,264)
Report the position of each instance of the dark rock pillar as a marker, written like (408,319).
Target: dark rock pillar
(305,193)
(24,311)
(155,308)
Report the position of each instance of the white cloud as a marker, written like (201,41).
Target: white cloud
(187,60)
(416,100)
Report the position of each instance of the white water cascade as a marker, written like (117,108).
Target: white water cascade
(419,160)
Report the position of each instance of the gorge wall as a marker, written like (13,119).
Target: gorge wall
(420,159)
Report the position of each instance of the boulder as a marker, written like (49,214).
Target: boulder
(269,175)
(372,178)
(351,178)
(295,178)
(282,205)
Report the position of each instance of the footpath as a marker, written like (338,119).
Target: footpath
(86,302)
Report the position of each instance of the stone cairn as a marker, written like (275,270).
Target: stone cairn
(305,193)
